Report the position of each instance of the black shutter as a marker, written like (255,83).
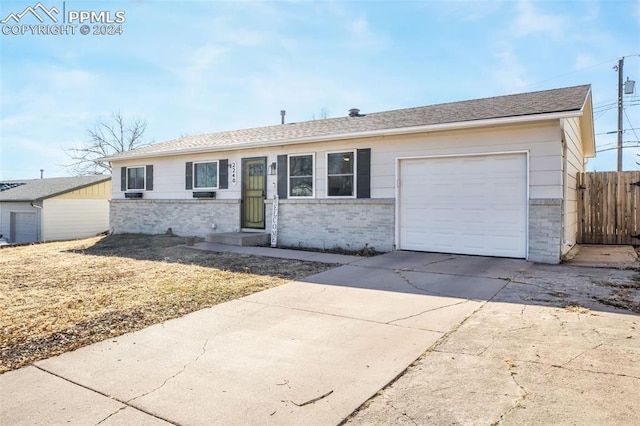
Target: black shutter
(123,179)
(149,178)
(223,173)
(282,176)
(364,173)
(188,176)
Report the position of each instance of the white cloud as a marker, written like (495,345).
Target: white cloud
(531,21)
(584,60)
(361,36)
(197,62)
(510,72)
(591,9)
(65,79)
(464,10)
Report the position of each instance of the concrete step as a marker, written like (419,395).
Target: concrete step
(239,238)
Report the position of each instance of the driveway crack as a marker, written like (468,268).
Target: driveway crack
(112,414)
(408,281)
(493,340)
(606,373)
(519,403)
(580,354)
(182,370)
(425,311)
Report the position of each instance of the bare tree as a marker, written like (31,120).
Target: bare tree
(106,138)
(324,113)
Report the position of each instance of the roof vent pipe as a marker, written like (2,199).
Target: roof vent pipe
(355,112)
(282,114)
(41,173)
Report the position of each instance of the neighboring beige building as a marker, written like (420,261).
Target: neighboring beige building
(53,209)
(494,176)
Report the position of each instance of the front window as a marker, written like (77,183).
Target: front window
(135,178)
(340,176)
(205,175)
(301,175)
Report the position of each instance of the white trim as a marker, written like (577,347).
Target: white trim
(478,154)
(353,152)
(144,177)
(356,135)
(313,176)
(193,175)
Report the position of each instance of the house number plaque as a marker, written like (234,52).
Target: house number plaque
(233,167)
(274,222)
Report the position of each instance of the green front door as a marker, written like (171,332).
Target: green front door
(254,191)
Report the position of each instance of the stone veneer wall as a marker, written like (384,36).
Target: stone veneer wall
(350,224)
(184,217)
(545,230)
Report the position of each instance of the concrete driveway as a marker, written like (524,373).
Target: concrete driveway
(488,340)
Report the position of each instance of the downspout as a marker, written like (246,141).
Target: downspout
(39,220)
(565,181)
(564,191)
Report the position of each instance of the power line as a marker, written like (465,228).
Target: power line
(632,128)
(578,70)
(624,146)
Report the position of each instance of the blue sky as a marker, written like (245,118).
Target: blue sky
(194,67)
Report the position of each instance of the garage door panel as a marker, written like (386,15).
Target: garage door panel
(24,227)
(467,205)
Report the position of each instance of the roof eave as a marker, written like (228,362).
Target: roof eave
(587,127)
(371,133)
(75,188)
(44,197)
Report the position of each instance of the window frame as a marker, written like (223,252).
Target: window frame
(144,178)
(354,173)
(193,175)
(313,174)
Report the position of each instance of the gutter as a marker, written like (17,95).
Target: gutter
(39,224)
(344,136)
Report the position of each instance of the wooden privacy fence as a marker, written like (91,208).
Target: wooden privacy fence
(608,208)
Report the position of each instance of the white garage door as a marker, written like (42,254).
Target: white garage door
(24,227)
(466,205)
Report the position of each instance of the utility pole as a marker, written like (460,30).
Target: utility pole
(620,111)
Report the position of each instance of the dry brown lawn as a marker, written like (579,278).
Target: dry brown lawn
(56,297)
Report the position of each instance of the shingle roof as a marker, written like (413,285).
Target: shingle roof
(524,104)
(38,189)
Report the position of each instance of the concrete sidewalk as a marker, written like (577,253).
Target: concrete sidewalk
(496,340)
(279,253)
(603,256)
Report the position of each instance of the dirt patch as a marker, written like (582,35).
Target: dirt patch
(621,295)
(56,297)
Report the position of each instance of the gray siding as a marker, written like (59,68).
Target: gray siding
(7,208)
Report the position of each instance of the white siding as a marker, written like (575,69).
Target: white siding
(541,140)
(66,219)
(574,165)
(5,217)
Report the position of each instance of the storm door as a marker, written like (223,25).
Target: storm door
(254,187)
